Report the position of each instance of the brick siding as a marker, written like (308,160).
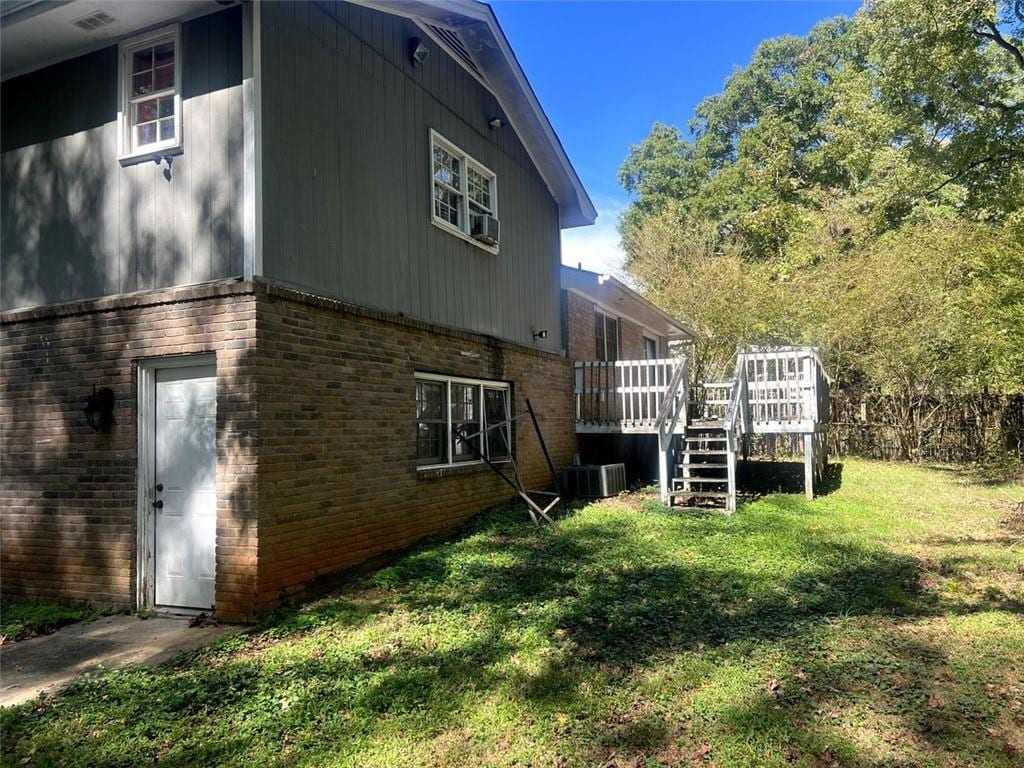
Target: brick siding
(316,468)
(337,474)
(582,340)
(68,494)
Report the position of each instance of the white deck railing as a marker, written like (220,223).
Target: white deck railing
(786,389)
(781,389)
(627,395)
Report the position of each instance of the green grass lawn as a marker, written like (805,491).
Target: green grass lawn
(19,621)
(880,625)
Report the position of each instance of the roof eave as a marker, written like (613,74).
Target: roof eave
(589,283)
(478,29)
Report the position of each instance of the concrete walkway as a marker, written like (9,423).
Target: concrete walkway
(30,667)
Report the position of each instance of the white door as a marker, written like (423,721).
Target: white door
(185,486)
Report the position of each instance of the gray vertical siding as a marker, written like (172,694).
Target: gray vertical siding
(346,177)
(75,224)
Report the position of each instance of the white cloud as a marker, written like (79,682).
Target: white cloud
(597,247)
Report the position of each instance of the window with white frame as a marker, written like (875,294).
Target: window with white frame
(462,188)
(449,409)
(150,72)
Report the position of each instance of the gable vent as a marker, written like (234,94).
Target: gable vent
(454,45)
(94,20)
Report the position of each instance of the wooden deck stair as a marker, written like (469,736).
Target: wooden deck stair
(701,467)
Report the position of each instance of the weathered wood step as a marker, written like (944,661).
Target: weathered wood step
(701,494)
(703,452)
(702,465)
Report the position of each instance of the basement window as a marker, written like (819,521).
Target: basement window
(464,194)
(150,85)
(477,408)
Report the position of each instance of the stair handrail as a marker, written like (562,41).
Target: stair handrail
(738,396)
(666,408)
(736,404)
(679,376)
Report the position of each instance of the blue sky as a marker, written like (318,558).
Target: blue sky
(605,71)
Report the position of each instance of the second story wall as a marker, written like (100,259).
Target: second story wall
(346,180)
(78,225)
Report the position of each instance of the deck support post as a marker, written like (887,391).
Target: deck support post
(809,466)
(664,453)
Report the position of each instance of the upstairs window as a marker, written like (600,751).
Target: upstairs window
(606,336)
(464,193)
(477,409)
(150,118)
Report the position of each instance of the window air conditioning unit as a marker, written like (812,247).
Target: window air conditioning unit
(484,228)
(594,482)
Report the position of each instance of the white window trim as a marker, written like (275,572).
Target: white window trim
(436,139)
(481,384)
(126,153)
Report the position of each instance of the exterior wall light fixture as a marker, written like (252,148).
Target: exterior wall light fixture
(419,52)
(99,409)
(541,334)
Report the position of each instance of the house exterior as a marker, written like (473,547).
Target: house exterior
(258,260)
(612,335)
(607,320)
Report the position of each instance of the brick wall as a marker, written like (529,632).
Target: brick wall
(315,437)
(337,474)
(582,340)
(67,493)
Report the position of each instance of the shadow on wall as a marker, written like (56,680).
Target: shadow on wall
(69,524)
(78,225)
(75,225)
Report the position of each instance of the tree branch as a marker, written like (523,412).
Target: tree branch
(973,166)
(996,37)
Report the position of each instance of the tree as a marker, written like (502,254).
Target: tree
(860,188)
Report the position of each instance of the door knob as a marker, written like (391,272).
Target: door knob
(159,487)
(159,503)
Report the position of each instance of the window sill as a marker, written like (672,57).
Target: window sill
(154,155)
(438,472)
(491,249)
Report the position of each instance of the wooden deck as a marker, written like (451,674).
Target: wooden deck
(780,390)
(625,396)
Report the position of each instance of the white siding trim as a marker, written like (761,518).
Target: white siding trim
(252,144)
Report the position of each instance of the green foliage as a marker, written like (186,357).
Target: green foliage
(860,188)
(22,620)
(855,629)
